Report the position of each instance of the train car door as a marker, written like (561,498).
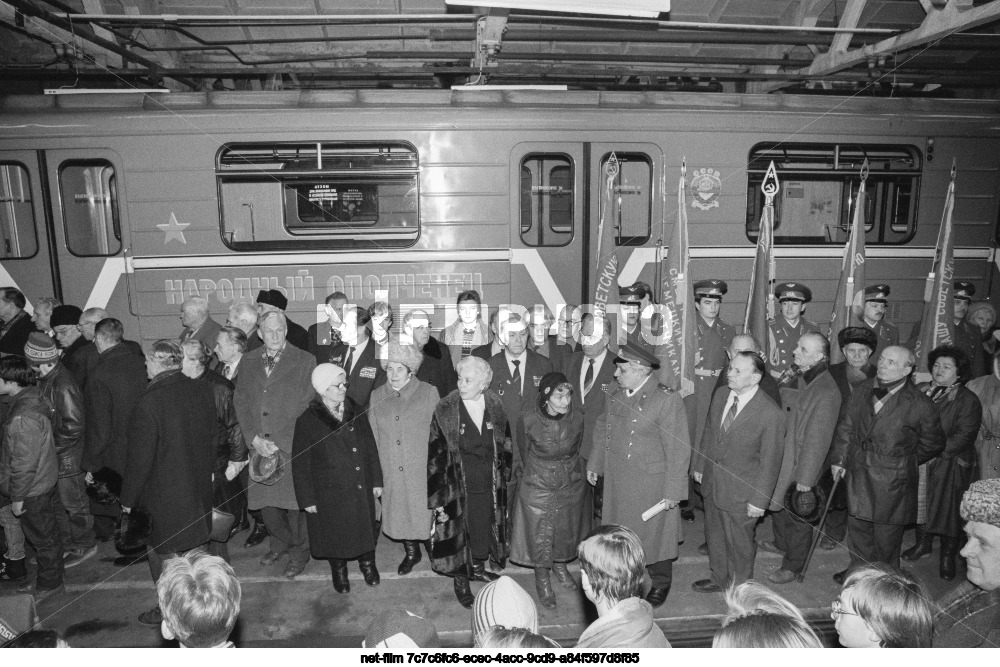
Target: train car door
(25,260)
(90,224)
(626,189)
(548,238)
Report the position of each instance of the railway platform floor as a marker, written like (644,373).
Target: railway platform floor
(102,602)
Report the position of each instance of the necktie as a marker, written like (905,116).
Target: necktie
(588,379)
(731,415)
(349,361)
(516,379)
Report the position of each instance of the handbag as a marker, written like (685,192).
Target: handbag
(222,523)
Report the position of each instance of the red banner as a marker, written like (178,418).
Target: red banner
(760,303)
(850,290)
(937,325)
(606,279)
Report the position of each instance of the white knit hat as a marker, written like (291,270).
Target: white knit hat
(503,602)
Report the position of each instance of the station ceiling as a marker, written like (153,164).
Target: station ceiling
(929,48)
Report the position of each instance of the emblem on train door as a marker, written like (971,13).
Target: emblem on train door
(174,230)
(706,186)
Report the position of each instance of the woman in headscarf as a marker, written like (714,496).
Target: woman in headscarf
(401,422)
(945,478)
(984,316)
(337,477)
(548,517)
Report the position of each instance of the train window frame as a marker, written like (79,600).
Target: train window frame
(549,226)
(632,240)
(116,218)
(821,163)
(354,171)
(31,207)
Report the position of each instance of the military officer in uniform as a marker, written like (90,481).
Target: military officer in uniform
(873,316)
(786,329)
(638,323)
(968,337)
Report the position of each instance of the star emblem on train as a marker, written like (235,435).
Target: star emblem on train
(174,230)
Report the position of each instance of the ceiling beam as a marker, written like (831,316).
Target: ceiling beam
(957,15)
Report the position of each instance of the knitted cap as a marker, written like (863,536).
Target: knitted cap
(503,602)
(981,502)
(65,315)
(40,349)
(401,629)
(272,297)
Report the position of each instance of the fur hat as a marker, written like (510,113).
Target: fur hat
(106,488)
(40,349)
(62,315)
(862,335)
(408,355)
(503,602)
(132,532)
(272,297)
(981,503)
(267,470)
(396,628)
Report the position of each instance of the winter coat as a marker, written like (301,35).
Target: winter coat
(28,464)
(967,617)
(207,333)
(14,336)
(451,553)
(881,452)
(839,374)
(113,388)
(61,390)
(987,389)
(811,409)
(437,368)
(401,426)
(740,466)
(87,358)
(268,406)
(229,444)
(629,624)
(592,407)
(168,470)
(534,368)
(642,447)
(335,468)
(954,469)
(548,517)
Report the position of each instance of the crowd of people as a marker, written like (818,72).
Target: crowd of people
(503,441)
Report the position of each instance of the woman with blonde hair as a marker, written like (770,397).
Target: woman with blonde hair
(760,618)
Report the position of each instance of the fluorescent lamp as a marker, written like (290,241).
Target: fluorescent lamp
(641,8)
(89,91)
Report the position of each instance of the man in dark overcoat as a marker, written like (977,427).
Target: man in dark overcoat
(274,388)
(16,324)
(888,429)
(642,447)
(468,469)
(738,465)
(811,407)
(359,356)
(168,468)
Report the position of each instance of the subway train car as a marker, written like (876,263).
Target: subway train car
(133,202)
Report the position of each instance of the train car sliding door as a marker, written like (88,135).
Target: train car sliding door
(25,262)
(547,216)
(626,190)
(88,205)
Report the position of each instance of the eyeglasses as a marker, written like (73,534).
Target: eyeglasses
(838,608)
(342,385)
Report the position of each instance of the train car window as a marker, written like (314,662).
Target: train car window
(318,195)
(89,198)
(18,239)
(819,186)
(631,200)
(547,193)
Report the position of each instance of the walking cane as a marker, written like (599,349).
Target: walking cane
(818,531)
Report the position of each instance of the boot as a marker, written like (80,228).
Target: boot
(949,548)
(368,569)
(340,581)
(565,578)
(543,586)
(480,573)
(923,548)
(13,570)
(412,557)
(257,535)
(463,592)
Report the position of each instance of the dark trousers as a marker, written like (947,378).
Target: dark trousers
(731,545)
(836,524)
(794,538)
(41,530)
(874,542)
(662,573)
(72,507)
(478,508)
(287,531)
